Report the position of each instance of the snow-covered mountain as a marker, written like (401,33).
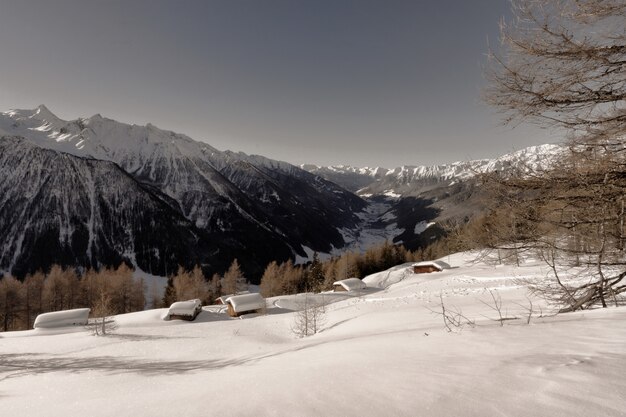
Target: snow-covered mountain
(404,199)
(59,208)
(241,204)
(413,180)
(96,191)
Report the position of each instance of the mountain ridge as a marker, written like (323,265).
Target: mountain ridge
(397,181)
(248,202)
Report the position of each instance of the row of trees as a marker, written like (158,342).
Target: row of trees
(114,291)
(108,291)
(287,278)
(188,285)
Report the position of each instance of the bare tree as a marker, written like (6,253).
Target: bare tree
(11,302)
(190,285)
(54,289)
(234,280)
(270,280)
(453,318)
(33,297)
(496,305)
(102,311)
(563,65)
(215,287)
(310,317)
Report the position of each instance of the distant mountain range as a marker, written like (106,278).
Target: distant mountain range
(413,180)
(93,191)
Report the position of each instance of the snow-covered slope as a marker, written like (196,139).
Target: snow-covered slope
(58,208)
(381,352)
(250,203)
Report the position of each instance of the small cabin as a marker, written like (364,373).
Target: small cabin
(245,304)
(222,300)
(427,267)
(65,318)
(350,284)
(184,310)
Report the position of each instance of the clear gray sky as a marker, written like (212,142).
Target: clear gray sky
(356,82)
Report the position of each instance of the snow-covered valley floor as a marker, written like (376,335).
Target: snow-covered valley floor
(382,353)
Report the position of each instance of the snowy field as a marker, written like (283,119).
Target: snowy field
(382,352)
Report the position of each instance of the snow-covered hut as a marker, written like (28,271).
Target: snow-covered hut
(65,318)
(429,266)
(184,310)
(245,303)
(223,298)
(350,284)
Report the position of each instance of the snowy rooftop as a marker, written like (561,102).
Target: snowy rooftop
(440,265)
(188,307)
(75,317)
(351,284)
(222,299)
(246,302)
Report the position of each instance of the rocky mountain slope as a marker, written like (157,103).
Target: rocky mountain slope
(238,204)
(59,208)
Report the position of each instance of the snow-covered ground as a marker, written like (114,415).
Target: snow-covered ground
(381,352)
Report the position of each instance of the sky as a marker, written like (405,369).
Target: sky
(327,82)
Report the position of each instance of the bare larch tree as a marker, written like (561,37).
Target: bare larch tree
(563,65)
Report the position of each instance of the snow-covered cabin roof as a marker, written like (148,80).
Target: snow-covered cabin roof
(188,307)
(223,298)
(75,317)
(440,265)
(351,284)
(246,302)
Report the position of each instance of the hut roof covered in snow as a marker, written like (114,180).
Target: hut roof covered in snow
(440,265)
(351,284)
(246,302)
(189,307)
(75,317)
(222,299)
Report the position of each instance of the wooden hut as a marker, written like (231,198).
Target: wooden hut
(350,284)
(245,304)
(185,310)
(429,266)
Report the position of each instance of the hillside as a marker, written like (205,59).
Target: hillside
(381,352)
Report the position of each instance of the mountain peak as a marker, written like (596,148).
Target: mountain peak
(44,114)
(43,108)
